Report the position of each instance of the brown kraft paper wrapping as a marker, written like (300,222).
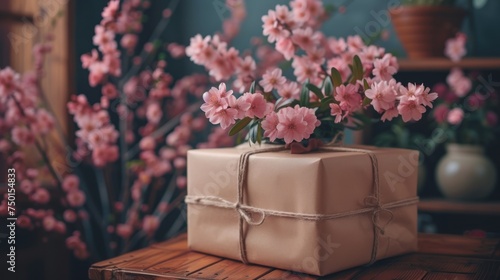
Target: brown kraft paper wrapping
(324,182)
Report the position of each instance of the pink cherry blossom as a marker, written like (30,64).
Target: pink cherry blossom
(26,186)
(272,28)
(382,94)
(22,136)
(49,223)
(128,42)
(341,66)
(272,79)
(150,224)
(460,84)
(306,38)
(98,71)
(225,117)
(309,117)
(71,183)
(348,96)
(215,99)
(455,116)
(455,47)
(369,54)
(9,80)
(154,113)
(389,114)
(176,50)
(441,113)
(355,44)
(200,50)
(181,182)
(293,124)
(60,227)
(41,196)
(426,97)
(385,67)
(75,198)
(410,109)
(290,90)
(241,105)
(269,125)
(336,111)
(304,69)
(110,12)
(337,46)
(69,216)
(124,230)
(258,105)
(491,118)
(147,143)
(23,221)
(44,122)
(286,47)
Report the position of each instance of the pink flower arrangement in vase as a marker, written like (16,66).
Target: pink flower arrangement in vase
(467,109)
(336,80)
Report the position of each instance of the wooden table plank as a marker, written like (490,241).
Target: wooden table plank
(186,264)
(286,275)
(439,257)
(155,257)
(455,245)
(446,275)
(228,269)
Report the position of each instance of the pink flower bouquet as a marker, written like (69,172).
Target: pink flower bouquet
(336,81)
(468,105)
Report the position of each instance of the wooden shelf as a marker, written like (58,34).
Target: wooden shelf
(437,64)
(449,206)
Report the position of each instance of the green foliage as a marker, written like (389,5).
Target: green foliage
(304,96)
(241,124)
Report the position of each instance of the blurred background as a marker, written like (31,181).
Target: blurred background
(23,23)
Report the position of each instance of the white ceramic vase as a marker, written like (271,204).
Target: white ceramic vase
(465,173)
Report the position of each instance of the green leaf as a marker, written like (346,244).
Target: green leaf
(328,87)
(314,104)
(162,56)
(366,86)
(357,69)
(366,101)
(304,96)
(252,87)
(282,103)
(336,77)
(241,124)
(362,117)
(315,90)
(260,132)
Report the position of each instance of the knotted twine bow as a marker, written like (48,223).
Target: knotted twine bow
(372,202)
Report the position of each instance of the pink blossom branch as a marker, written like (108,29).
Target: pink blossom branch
(123,121)
(39,148)
(164,129)
(160,28)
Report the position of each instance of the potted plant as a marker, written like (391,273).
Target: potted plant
(423,26)
(467,121)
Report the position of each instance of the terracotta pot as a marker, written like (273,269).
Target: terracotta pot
(423,30)
(464,173)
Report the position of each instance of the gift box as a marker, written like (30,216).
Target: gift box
(318,212)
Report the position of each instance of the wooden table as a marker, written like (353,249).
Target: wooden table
(439,257)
